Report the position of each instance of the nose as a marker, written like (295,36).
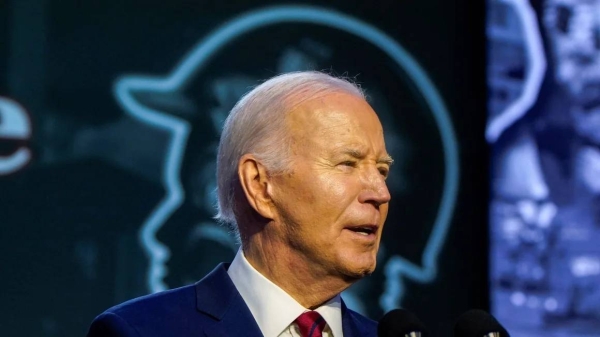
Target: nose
(375,190)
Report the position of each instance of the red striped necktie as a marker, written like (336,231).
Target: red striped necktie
(311,324)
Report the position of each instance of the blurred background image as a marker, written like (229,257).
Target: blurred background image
(544,128)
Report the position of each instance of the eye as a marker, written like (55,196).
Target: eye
(349,163)
(384,171)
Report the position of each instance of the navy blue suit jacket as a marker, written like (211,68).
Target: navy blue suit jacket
(211,307)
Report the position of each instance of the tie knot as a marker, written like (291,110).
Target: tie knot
(311,324)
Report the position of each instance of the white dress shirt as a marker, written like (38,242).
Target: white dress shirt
(273,309)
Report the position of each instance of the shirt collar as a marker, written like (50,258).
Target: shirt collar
(274,309)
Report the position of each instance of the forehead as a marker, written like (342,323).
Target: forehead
(335,117)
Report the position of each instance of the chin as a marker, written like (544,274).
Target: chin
(360,267)
(357,274)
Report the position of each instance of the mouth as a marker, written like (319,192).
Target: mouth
(364,230)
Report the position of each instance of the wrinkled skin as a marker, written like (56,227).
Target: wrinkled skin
(336,184)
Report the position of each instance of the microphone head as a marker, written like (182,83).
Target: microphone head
(401,323)
(478,323)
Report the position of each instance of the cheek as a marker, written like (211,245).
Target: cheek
(334,187)
(339,184)
(320,198)
(336,194)
(384,212)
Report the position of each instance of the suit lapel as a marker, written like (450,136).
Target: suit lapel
(217,297)
(350,324)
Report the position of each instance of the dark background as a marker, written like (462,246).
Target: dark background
(59,59)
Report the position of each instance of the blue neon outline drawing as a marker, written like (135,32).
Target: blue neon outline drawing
(22,156)
(198,57)
(533,78)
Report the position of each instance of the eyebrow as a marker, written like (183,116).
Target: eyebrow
(386,159)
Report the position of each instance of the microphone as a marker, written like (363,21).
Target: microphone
(401,323)
(478,323)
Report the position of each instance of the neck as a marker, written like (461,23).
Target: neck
(309,284)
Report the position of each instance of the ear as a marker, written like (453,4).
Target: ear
(256,185)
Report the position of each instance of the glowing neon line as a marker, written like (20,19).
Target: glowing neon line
(198,58)
(157,253)
(14,124)
(534,77)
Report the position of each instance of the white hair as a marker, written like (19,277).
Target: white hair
(256,125)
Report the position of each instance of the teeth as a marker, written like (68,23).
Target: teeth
(363,233)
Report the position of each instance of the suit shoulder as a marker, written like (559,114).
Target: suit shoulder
(175,312)
(146,315)
(109,324)
(165,302)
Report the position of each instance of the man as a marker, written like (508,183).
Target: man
(301,172)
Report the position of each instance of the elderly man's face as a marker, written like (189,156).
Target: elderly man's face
(333,203)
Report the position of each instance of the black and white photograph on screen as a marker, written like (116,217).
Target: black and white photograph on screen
(544,130)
